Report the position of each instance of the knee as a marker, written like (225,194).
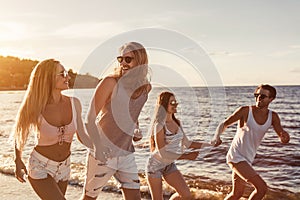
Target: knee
(262,189)
(260,185)
(237,194)
(186,196)
(238,190)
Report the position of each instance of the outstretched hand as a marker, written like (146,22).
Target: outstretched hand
(216,142)
(191,155)
(20,170)
(284,137)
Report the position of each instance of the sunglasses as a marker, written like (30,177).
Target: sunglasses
(173,103)
(64,74)
(127,59)
(261,96)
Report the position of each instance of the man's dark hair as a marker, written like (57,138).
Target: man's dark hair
(270,88)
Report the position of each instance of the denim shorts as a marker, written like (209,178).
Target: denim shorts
(158,169)
(39,167)
(123,168)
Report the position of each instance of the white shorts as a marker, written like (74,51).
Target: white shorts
(123,168)
(39,167)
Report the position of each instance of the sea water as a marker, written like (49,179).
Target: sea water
(200,110)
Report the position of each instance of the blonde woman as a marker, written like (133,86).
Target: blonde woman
(167,143)
(111,121)
(54,118)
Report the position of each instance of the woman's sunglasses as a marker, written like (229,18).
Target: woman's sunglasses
(64,74)
(173,103)
(127,59)
(261,96)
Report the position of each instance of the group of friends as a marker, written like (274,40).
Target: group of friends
(111,127)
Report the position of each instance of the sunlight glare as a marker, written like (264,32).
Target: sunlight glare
(11,31)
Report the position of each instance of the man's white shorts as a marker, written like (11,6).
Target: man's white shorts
(123,168)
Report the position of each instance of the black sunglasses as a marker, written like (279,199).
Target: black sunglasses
(127,59)
(64,74)
(261,96)
(173,103)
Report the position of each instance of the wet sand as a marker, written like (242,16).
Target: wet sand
(11,188)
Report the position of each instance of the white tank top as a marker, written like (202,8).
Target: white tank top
(247,139)
(116,122)
(175,143)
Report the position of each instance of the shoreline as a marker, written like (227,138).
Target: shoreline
(11,188)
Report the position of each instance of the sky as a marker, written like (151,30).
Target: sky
(246,42)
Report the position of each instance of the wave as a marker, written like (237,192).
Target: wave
(277,163)
(201,187)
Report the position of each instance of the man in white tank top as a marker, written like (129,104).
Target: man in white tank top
(253,123)
(111,122)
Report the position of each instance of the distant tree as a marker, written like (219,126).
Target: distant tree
(15,74)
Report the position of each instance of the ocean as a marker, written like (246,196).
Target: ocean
(200,110)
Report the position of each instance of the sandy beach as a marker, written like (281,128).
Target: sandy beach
(11,188)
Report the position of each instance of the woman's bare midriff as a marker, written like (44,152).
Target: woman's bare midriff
(56,152)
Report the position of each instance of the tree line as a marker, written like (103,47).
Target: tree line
(15,73)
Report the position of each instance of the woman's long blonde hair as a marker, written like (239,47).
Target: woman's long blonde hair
(39,91)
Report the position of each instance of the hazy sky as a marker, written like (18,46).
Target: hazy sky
(249,42)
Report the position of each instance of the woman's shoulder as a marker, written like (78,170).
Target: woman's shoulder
(74,101)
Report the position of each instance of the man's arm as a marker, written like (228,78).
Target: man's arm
(101,96)
(282,134)
(103,93)
(239,114)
